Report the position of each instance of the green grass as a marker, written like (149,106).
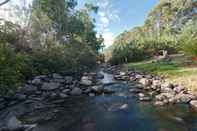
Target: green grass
(177,70)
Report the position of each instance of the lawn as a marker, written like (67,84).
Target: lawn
(180,70)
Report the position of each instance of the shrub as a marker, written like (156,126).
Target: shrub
(12,67)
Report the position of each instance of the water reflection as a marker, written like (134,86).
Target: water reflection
(120,112)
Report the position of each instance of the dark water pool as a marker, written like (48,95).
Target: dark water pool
(119,112)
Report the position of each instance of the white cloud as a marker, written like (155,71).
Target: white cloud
(107,13)
(108,38)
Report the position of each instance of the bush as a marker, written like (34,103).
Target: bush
(12,67)
(127,53)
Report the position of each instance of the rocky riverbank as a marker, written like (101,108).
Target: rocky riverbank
(154,88)
(43,96)
(44,93)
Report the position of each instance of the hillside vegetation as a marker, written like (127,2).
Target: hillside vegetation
(56,38)
(171,25)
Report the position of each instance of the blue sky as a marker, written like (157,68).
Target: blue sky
(115,16)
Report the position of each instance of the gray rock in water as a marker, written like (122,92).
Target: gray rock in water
(159,103)
(98,89)
(50,86)
(62,95)
(76,91)
(13,124)
(183,98)
(99,76)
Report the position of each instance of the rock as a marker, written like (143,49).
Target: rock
(36,82)
(166,89)
(68,79)
(145,98)
(86,81)
(91,94)
(145,82)
(156,84)
(125,106)
(167,85)
(97,89)
(159,103)
(50,86)
(57,76)
(178,89)
(123,73)
(62,95)
(28,89)
(134,90)
(20,96)
(66,91)
(99,76)
(141,95)
(193,103)
(138,76)
(13,124)
(76,91)
(183,98)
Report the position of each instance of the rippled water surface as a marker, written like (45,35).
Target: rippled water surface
(119,112)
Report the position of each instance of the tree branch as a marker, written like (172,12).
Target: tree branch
(4,2)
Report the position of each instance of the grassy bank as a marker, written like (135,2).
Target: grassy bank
(180,70)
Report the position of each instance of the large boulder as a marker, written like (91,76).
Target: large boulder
(156,84)
(76,91)
(49,86)
(57,76)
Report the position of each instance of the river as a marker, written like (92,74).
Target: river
(121,111)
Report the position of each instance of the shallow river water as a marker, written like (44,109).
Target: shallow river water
(119,112)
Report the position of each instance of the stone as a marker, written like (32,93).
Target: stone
(193,103)
(66,91)
(76,91)
(91,94)
(134,90)
(167,85)
(145,98)
(123,73)
(62,95)
(13,124)
(156,84)
(141,95)
(99,76)
(20,96)
(57,76)
(86,82)
(138,76)
(68,79)
(183,98)
(29,89)
(179,89)
(50,86)
(166,89)
(159,103)
(36,82)
(145,82)
(97,89)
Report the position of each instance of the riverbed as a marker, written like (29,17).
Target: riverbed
(121,111)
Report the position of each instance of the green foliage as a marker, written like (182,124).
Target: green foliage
(188,38)
(12,67)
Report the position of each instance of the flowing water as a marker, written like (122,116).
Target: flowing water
(119,112)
